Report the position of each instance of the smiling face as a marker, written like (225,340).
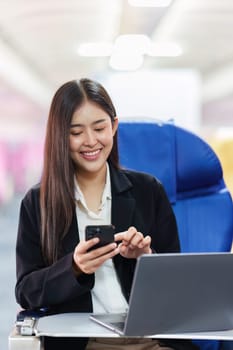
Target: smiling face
(91,138)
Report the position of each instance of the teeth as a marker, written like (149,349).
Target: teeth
(91,153)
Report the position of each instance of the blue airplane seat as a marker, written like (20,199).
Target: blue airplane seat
(193,179)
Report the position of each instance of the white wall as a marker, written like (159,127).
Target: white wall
(161,94)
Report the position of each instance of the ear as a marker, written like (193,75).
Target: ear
(115,125)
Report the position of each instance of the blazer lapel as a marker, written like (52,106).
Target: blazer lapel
(123,204)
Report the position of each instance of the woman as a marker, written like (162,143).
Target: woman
(82,184)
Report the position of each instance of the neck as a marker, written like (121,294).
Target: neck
(92,186)
(93,180)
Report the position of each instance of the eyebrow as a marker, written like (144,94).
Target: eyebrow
(94,123)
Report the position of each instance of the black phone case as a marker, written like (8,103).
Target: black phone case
(104,232)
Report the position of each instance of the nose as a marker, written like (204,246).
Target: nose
(90,138)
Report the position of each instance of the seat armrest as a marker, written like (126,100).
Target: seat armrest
(26,321)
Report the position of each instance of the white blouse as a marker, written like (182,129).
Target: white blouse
(106,293)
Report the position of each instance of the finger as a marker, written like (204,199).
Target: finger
(101,259)
(95,253)
(84,258)
(136,240)
(131,233)
(83,246)
(126,236)
(119,236)
(123,249)
(146,242)
(92,265)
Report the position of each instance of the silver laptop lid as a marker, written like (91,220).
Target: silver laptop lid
(181,293)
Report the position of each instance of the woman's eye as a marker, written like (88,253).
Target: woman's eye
(77,133)
(99,129)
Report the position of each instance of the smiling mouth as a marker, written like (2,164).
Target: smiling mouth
(91,154)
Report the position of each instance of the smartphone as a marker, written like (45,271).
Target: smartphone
(104,232)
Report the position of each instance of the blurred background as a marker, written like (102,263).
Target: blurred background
(158,58)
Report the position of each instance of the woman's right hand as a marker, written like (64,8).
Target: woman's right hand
(85,261)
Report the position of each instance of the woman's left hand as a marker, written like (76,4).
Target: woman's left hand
(133,243)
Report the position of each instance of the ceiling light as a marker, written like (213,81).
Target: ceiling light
(132,43)
(164,50)
(98,49)
(150,3)
(126,62)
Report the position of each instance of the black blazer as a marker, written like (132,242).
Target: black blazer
(138,200)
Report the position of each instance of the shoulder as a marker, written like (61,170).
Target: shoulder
(144,184)
(32,192)
(30,210)
(141,178)
(32,197)
(125,179)
(148,191)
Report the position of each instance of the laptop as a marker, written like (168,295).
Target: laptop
(177,293)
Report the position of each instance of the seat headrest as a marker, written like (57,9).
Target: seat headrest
(197,165)
(182,161)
